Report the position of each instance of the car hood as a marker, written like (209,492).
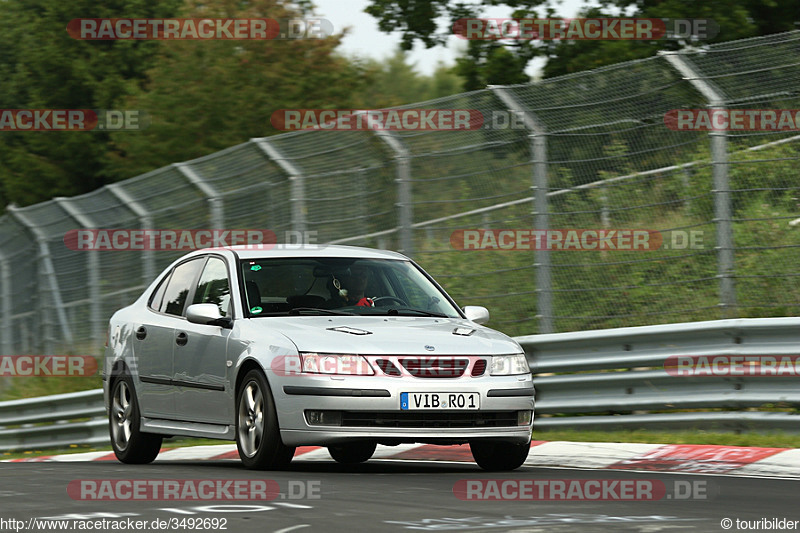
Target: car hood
(389,335)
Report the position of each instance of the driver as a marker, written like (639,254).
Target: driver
(353,285)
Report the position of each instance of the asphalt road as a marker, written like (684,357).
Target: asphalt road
(385,495)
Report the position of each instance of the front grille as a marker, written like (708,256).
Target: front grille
(435,367)
(426,419)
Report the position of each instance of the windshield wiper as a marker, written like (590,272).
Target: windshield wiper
(399,310)
(318,310)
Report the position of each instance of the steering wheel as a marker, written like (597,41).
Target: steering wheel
(388,298)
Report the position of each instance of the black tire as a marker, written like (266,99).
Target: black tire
(130,445)
(258,437)
(353,453)
(499,456)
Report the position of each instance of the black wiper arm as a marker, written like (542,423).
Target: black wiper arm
(398,310)
(318,310)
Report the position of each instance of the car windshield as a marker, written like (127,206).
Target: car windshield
(335,285)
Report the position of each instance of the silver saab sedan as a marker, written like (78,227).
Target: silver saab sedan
(331,346)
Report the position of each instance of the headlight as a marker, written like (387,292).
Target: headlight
(334,363)
(509,365)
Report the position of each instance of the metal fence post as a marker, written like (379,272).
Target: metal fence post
(541,218)
(297,181)
(146,222)
(405,205)
(215,201)
(47,277)
(722,195)
(7,336)
(92,267)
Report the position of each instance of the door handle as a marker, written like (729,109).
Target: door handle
(141,333)
(181,339)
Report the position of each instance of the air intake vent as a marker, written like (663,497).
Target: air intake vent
(387,367)
(480,367)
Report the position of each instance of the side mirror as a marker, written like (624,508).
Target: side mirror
(207,314)
(476,313)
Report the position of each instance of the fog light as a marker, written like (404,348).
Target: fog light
(324,418)
(524,418)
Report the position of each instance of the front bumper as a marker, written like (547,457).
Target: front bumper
(371,409)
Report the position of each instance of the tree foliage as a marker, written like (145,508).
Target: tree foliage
(204,96)
(503,62)
(41,67)
(199,96)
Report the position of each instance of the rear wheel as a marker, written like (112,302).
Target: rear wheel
(499,456)
(357,452)
(130,445)
(258,436)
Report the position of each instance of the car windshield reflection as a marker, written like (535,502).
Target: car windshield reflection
(340,286)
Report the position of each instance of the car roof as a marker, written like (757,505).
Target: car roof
(312,250)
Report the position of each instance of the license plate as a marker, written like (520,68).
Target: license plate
(412,401)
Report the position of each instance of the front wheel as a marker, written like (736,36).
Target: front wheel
(258,436)
(499,456)
(130,445)
(353,453)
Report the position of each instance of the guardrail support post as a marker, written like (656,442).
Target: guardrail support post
(722,195)
(541,218)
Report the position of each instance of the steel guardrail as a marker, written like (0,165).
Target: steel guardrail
(617,378)
(600,379)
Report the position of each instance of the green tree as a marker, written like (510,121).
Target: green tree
(737,19)
(483,63)
(394,82)
(203,96)
(42,67)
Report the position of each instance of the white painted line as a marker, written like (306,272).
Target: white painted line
(292,528)
(79,457)
(383,452)
(192,453)
(585,454)
(785,464)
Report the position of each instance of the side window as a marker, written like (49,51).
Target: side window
(213,287)
(158,294)
(179,286)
